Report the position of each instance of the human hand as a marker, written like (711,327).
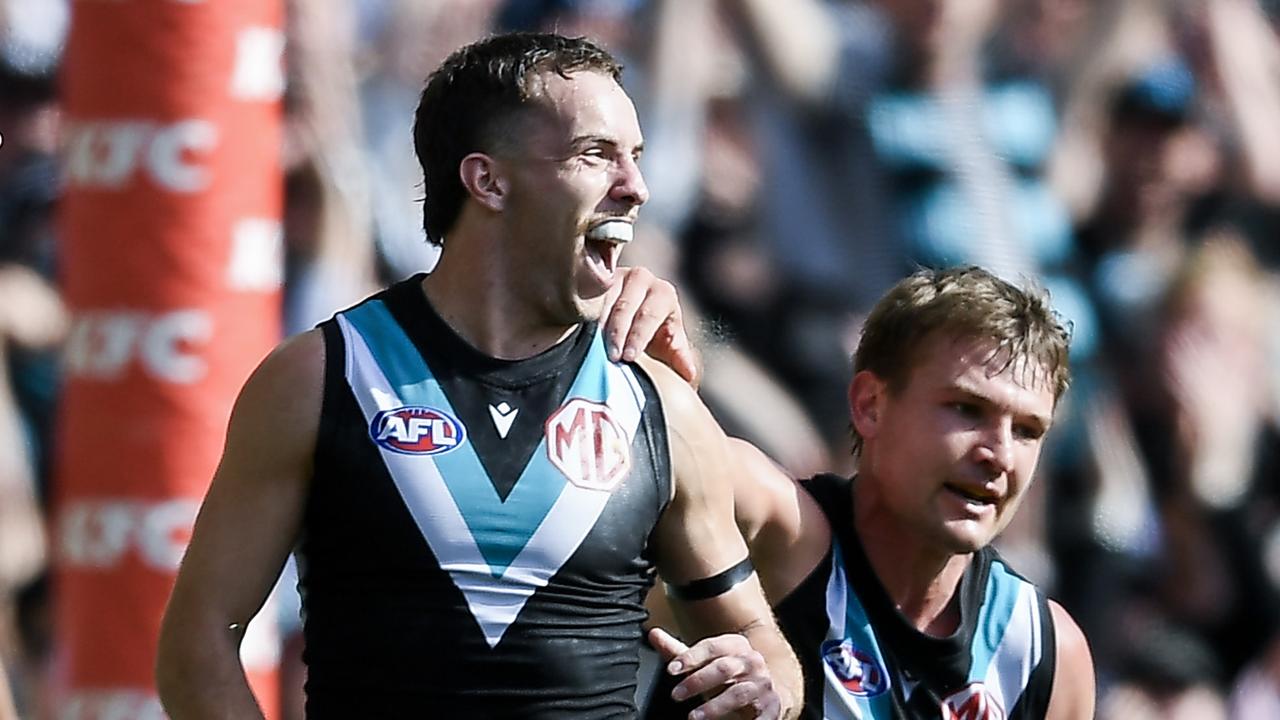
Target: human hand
(644,316)
(726,666)
(31,312)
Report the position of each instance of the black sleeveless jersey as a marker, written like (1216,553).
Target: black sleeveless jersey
(863,659)
(476,539)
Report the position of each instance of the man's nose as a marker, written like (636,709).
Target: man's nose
(629,185)
(997,447)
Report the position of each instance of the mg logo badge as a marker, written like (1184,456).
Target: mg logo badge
(972,703)
(586,444)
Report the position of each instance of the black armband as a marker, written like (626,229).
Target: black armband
(717,584)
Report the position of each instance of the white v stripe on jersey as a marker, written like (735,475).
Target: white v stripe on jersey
(494,600)
(1011,665)
(836,703)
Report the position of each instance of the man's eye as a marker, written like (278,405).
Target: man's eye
(964,409)
(1028,432)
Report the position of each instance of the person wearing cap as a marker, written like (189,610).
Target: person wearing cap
(478,494)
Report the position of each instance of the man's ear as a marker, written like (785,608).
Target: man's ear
(867,396)
(482,176)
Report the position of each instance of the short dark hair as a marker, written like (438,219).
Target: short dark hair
(962,302)
(472,97)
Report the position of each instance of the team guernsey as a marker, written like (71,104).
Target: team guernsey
(863,659)
(475,541)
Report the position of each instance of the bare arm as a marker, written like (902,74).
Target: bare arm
(697,538)
(243,534)
(1247,55)
(1074,692)
(7,709)
(796,42)
(782,524)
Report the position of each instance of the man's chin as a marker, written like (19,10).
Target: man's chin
(965,537)
(589,308)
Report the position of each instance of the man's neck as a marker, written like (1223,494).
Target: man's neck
(921,581)
(477,299)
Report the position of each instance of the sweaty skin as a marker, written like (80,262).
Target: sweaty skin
(946,462)
(516,277)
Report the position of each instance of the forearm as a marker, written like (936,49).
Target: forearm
(1248,60)
(796,43)
(737,613)
(7,708)
(199,676)
(783,665)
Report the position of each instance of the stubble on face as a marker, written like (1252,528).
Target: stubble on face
(960,441)
(562,186)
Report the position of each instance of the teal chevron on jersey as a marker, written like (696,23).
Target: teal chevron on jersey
(501,528)
(997,610)
(1008,643)
(497,552)
(849,623)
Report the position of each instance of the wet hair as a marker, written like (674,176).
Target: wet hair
(472,99)
(962,303)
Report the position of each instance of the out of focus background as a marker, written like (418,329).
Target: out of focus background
(802,156)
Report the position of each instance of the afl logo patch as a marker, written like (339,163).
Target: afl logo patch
(858,671)
(972,703)
(417,430)
(588,445)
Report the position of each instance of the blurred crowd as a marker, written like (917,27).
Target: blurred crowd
(802,156)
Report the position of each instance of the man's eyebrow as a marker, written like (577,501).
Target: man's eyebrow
(587,140)
(1044,422)
(581,140)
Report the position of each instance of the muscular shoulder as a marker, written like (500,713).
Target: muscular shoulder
(783,526)
(295,367)
(786,530)
(695,436)
(280,402)
(681,404)
(1074,688)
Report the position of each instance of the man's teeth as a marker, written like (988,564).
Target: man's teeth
(973,496)
(614,231)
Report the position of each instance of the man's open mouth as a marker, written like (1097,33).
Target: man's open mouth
(976,495)
(616,232)
(603,245)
